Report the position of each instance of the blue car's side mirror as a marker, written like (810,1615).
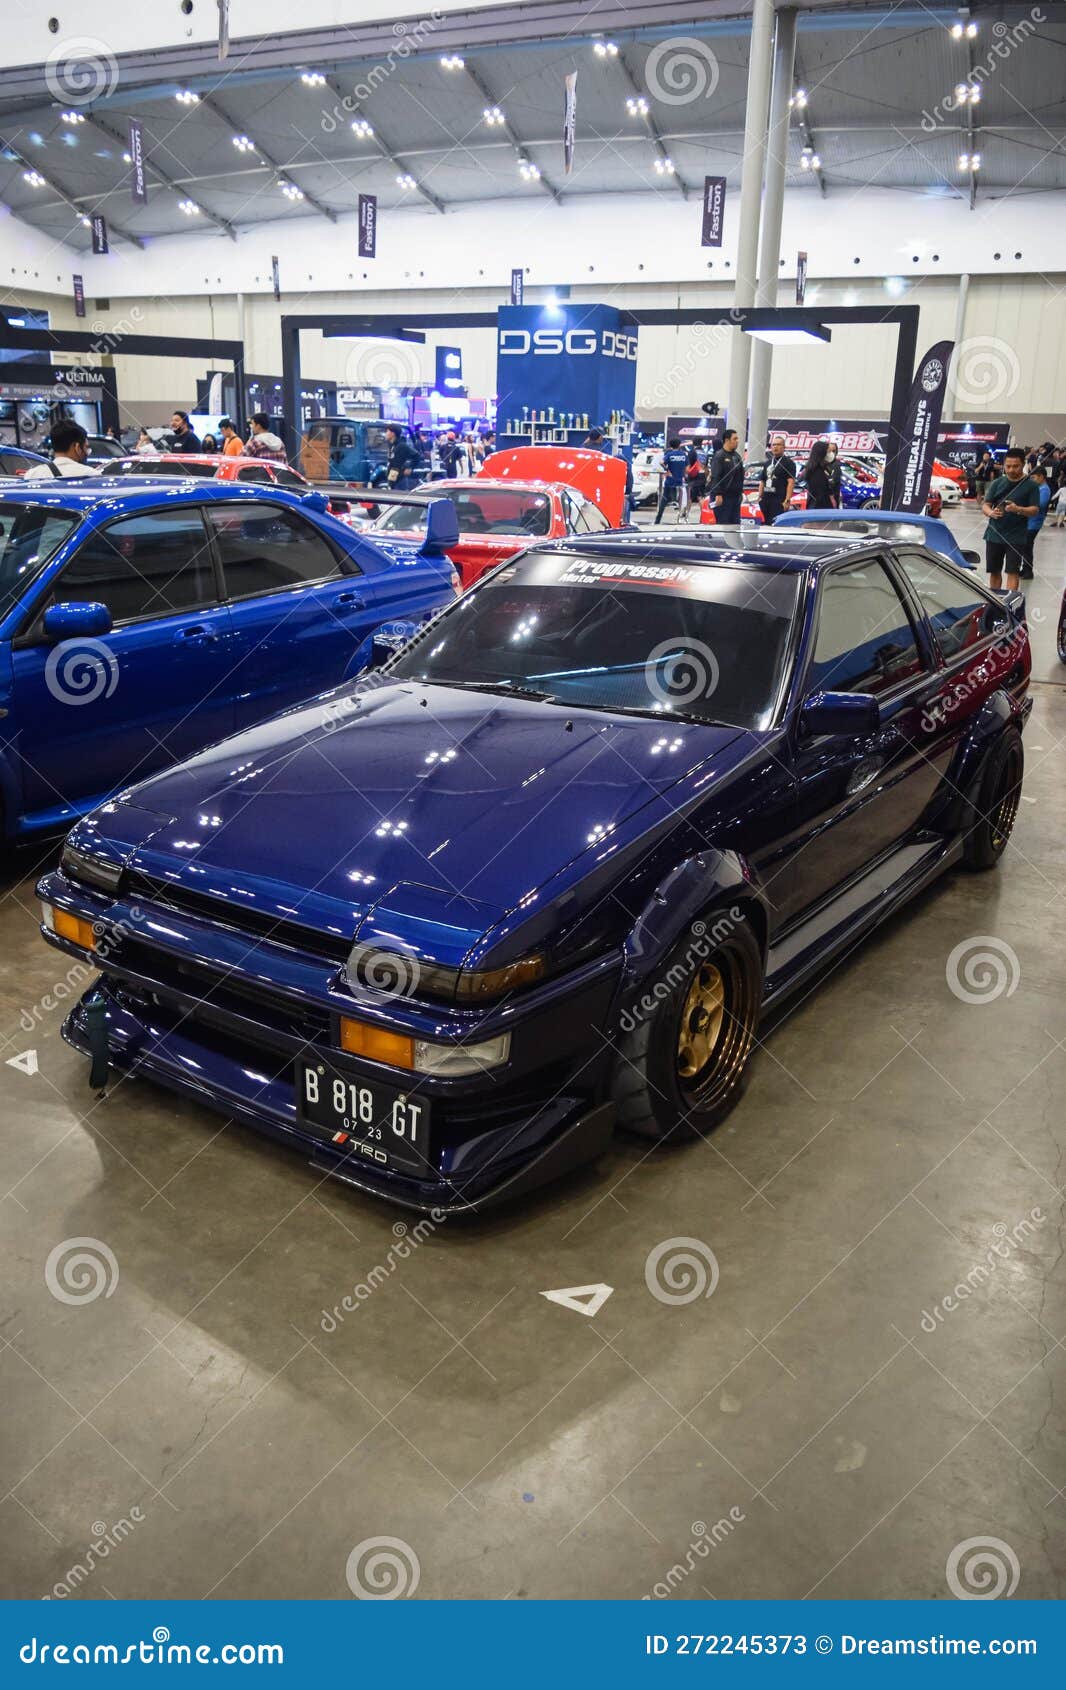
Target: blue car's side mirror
(76,621)
(442,528)
(316,500)
(855,714)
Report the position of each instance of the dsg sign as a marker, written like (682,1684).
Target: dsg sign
(577,343)
(582,361)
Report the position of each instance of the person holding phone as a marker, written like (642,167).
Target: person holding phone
(1012,499)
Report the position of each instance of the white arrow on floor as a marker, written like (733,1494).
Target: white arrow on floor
(583,1299)
(26,1063)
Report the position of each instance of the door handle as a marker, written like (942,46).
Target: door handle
(351,601)
(198,635)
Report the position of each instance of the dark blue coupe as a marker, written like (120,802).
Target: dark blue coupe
(139,621)
(540,875)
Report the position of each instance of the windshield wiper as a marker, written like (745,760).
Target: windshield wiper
(507,690)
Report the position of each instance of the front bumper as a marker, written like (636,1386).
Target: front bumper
(216,1032)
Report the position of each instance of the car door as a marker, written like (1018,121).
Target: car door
(857,797)
(96,714)
(298,617)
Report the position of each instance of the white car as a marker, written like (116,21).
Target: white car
(950,491)
(646,477)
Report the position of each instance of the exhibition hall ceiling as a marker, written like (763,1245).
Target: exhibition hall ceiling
(904,98)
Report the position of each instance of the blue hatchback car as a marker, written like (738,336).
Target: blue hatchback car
(540,875)
(894,526)
(139,621)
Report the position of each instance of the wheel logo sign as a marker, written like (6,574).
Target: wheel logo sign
(981,1569)
(932,375)
(681,70)
(81,671)
(382,1569)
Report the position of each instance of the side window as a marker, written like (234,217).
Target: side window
(575,521)
(255,472)
(865,641)
(266,547)
(960,612)
(157,563)
(595,520)
(288,478)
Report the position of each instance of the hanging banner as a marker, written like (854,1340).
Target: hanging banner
(135,148)
(917,443)
(368,225)
(569,121)
(518,287)
(713,210)
(79,297)
(275,276)
(801,277)
(98,225)
(223,28)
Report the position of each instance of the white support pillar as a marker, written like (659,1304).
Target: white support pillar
(773,206)
(755,120)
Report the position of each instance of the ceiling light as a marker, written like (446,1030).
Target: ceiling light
(664,167)
(816,336)
(637,106)
(72,116)
(291,191)
(405,180)
(243,144)
(312,79)
(528,171)
(452,61)
(799,99)
(86,223)
(189,207)
(493,116)
(186,97)
(605,49)
(971,29)
(362,129)
(969,161)
(34,178)
(127,158)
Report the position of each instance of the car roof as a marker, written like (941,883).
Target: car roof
(796,519)
(758,548)
(133,491)
(218,458)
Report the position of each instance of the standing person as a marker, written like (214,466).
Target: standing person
(725,480)
(984,472)
(672,467)
(694,483)
(184,438)
(832,464)
(778,482)
(145,443)
(1039,478)
(449,452)
(262,442)
(232,444)
(594,440)
(818,478)
(399,469)
(210,444)
(70,448)
(1012,500)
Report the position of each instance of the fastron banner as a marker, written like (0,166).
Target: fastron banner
(918,445)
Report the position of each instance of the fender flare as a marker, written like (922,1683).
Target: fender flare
(997,715)
(687,897)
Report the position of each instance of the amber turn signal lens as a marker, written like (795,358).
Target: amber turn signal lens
(73,927)
(360,1039)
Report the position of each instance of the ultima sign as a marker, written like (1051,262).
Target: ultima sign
(566,359)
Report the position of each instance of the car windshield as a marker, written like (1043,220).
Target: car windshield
(29,536)
(634,633)
(482,510)
(183,467)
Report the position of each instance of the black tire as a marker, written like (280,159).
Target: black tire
(997,803)
(660,1087)
(1061,642)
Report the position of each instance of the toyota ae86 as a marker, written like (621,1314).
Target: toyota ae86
(536,878)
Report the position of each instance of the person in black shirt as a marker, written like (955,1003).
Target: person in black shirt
(819,478)
(399,471)
(184,438)
(777,482)
(725,480)
(1012,500)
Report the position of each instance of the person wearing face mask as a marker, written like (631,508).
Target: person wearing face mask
(818,478)
(832,464)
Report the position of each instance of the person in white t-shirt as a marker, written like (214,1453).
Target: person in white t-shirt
(70,449)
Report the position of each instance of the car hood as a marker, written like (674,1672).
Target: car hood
(445,808)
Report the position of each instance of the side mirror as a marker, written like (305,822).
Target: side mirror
(442,529)
(855,715)
(388,640)
(973,559)
(77,621)
(316,500)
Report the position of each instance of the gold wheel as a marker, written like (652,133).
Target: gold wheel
(701,1022)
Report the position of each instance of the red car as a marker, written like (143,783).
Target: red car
(530,493)
(749,504)
(212,466)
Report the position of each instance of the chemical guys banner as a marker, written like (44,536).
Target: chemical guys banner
(918,444)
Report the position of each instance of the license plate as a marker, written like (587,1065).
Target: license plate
(373,1122)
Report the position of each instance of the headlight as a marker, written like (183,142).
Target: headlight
(401,1050)
(91,871)
(369,966)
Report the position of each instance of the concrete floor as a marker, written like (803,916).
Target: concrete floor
(821,1424)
